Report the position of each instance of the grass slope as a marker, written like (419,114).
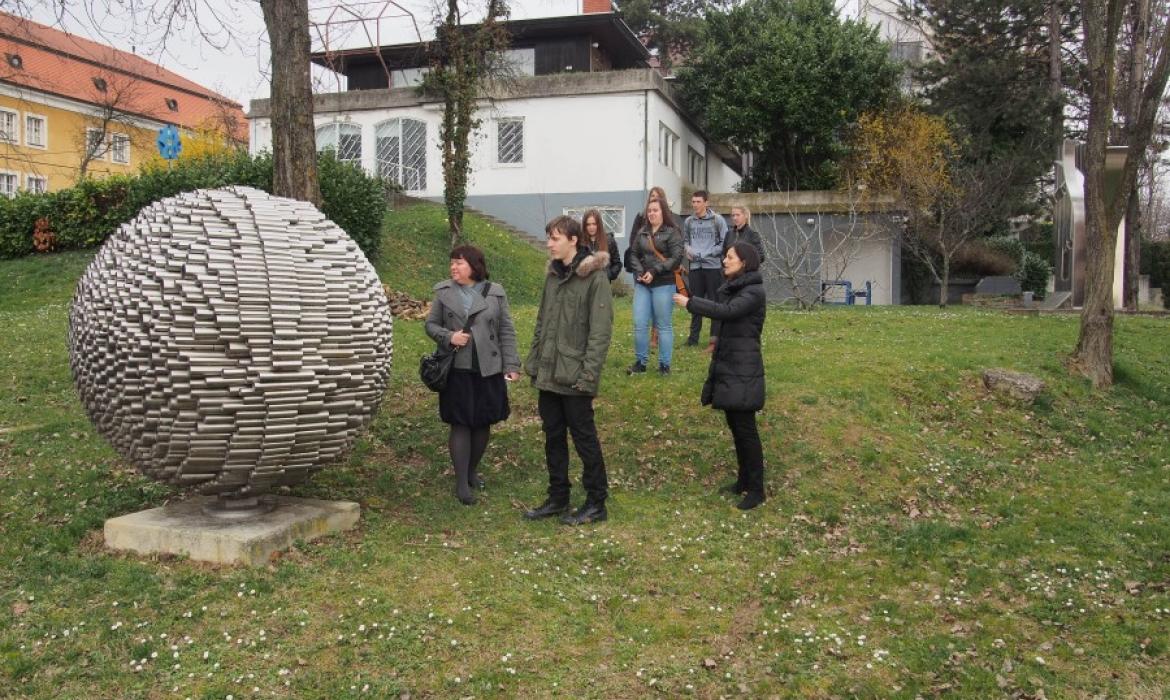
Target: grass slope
(922,537)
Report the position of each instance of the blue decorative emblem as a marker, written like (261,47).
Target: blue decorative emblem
(170,144)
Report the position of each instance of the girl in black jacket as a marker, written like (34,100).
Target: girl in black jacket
(735,380)
(597,238)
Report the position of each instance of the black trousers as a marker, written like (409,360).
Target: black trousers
(559,415)
(702,284)
(748,450)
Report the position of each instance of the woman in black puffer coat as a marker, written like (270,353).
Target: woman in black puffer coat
(735,381)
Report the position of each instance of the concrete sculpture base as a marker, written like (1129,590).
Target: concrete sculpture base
(185,529)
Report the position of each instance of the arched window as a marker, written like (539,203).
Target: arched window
(401,146)
(345,140)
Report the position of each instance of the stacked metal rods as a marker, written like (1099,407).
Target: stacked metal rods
(231,340)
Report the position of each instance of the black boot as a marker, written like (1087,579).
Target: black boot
(588,513)
(751,500)
(733,488)
(547,509)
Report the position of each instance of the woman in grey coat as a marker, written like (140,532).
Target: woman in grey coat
(476,395)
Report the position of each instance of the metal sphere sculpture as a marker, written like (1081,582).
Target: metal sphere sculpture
(230,340)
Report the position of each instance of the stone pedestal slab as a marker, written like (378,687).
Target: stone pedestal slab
(184,529)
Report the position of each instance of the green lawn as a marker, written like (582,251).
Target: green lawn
(922,538)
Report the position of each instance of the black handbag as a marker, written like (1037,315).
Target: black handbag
(434,367)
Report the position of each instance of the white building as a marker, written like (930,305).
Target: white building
(588,124)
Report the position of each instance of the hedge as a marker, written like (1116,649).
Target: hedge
(85,215)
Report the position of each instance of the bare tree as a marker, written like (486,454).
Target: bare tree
(1101,26)
(808,253)
(959,216)
(111,129)
(287,23)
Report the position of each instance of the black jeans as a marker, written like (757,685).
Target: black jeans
(702,284)
(560,413)
(748,450)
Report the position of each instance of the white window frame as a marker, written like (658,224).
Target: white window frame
(619,230)
(117,139)
(395,127)
(44,142)
(696,167)
(335,139)
(523,142)
(30,179)
(9,125)
(102,150)
(9,177)
(668,147)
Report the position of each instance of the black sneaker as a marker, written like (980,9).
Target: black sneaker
(636,368)
(664,369)
(588,513)
(546,510)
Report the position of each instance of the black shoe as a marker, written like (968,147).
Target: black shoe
(751,500)
(588,513)
(476,481)
(636,368)
(547,509)
(664,369)
(692,342)
(468,500)
(733,488)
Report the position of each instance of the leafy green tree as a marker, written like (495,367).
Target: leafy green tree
(670,26)
(990,76)
(782,79)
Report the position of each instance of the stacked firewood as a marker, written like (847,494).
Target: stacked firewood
(403,306)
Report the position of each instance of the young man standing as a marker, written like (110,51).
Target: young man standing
(569,344)
(703,233)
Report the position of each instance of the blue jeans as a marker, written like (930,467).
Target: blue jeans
(653,304)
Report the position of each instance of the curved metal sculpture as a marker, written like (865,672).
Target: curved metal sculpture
(230,340)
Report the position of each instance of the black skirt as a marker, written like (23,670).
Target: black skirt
(474,400)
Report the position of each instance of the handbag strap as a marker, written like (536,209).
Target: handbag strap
(650,237)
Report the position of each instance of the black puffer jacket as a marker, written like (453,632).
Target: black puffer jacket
(735,381)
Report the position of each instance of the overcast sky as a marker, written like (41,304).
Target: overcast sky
(224,46)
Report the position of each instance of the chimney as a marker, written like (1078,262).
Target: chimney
(592,7)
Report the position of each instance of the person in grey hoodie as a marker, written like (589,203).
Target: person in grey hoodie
(703,234)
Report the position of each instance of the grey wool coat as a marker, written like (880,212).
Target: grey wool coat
(492,333)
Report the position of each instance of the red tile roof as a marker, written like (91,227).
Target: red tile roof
(69,66)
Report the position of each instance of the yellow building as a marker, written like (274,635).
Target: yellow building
(71,107)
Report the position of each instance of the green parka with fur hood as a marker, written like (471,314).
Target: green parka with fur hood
(573,326)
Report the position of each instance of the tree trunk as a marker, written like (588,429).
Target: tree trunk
(1102,25)
(294,150)
(1094,353)
(1054,77)
(1133,251)
(944,283)
(1139,41)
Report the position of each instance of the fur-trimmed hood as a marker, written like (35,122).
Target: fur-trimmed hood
(584,266)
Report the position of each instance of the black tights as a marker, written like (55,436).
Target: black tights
(466,445)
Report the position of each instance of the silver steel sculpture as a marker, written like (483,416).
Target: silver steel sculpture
(230,340)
